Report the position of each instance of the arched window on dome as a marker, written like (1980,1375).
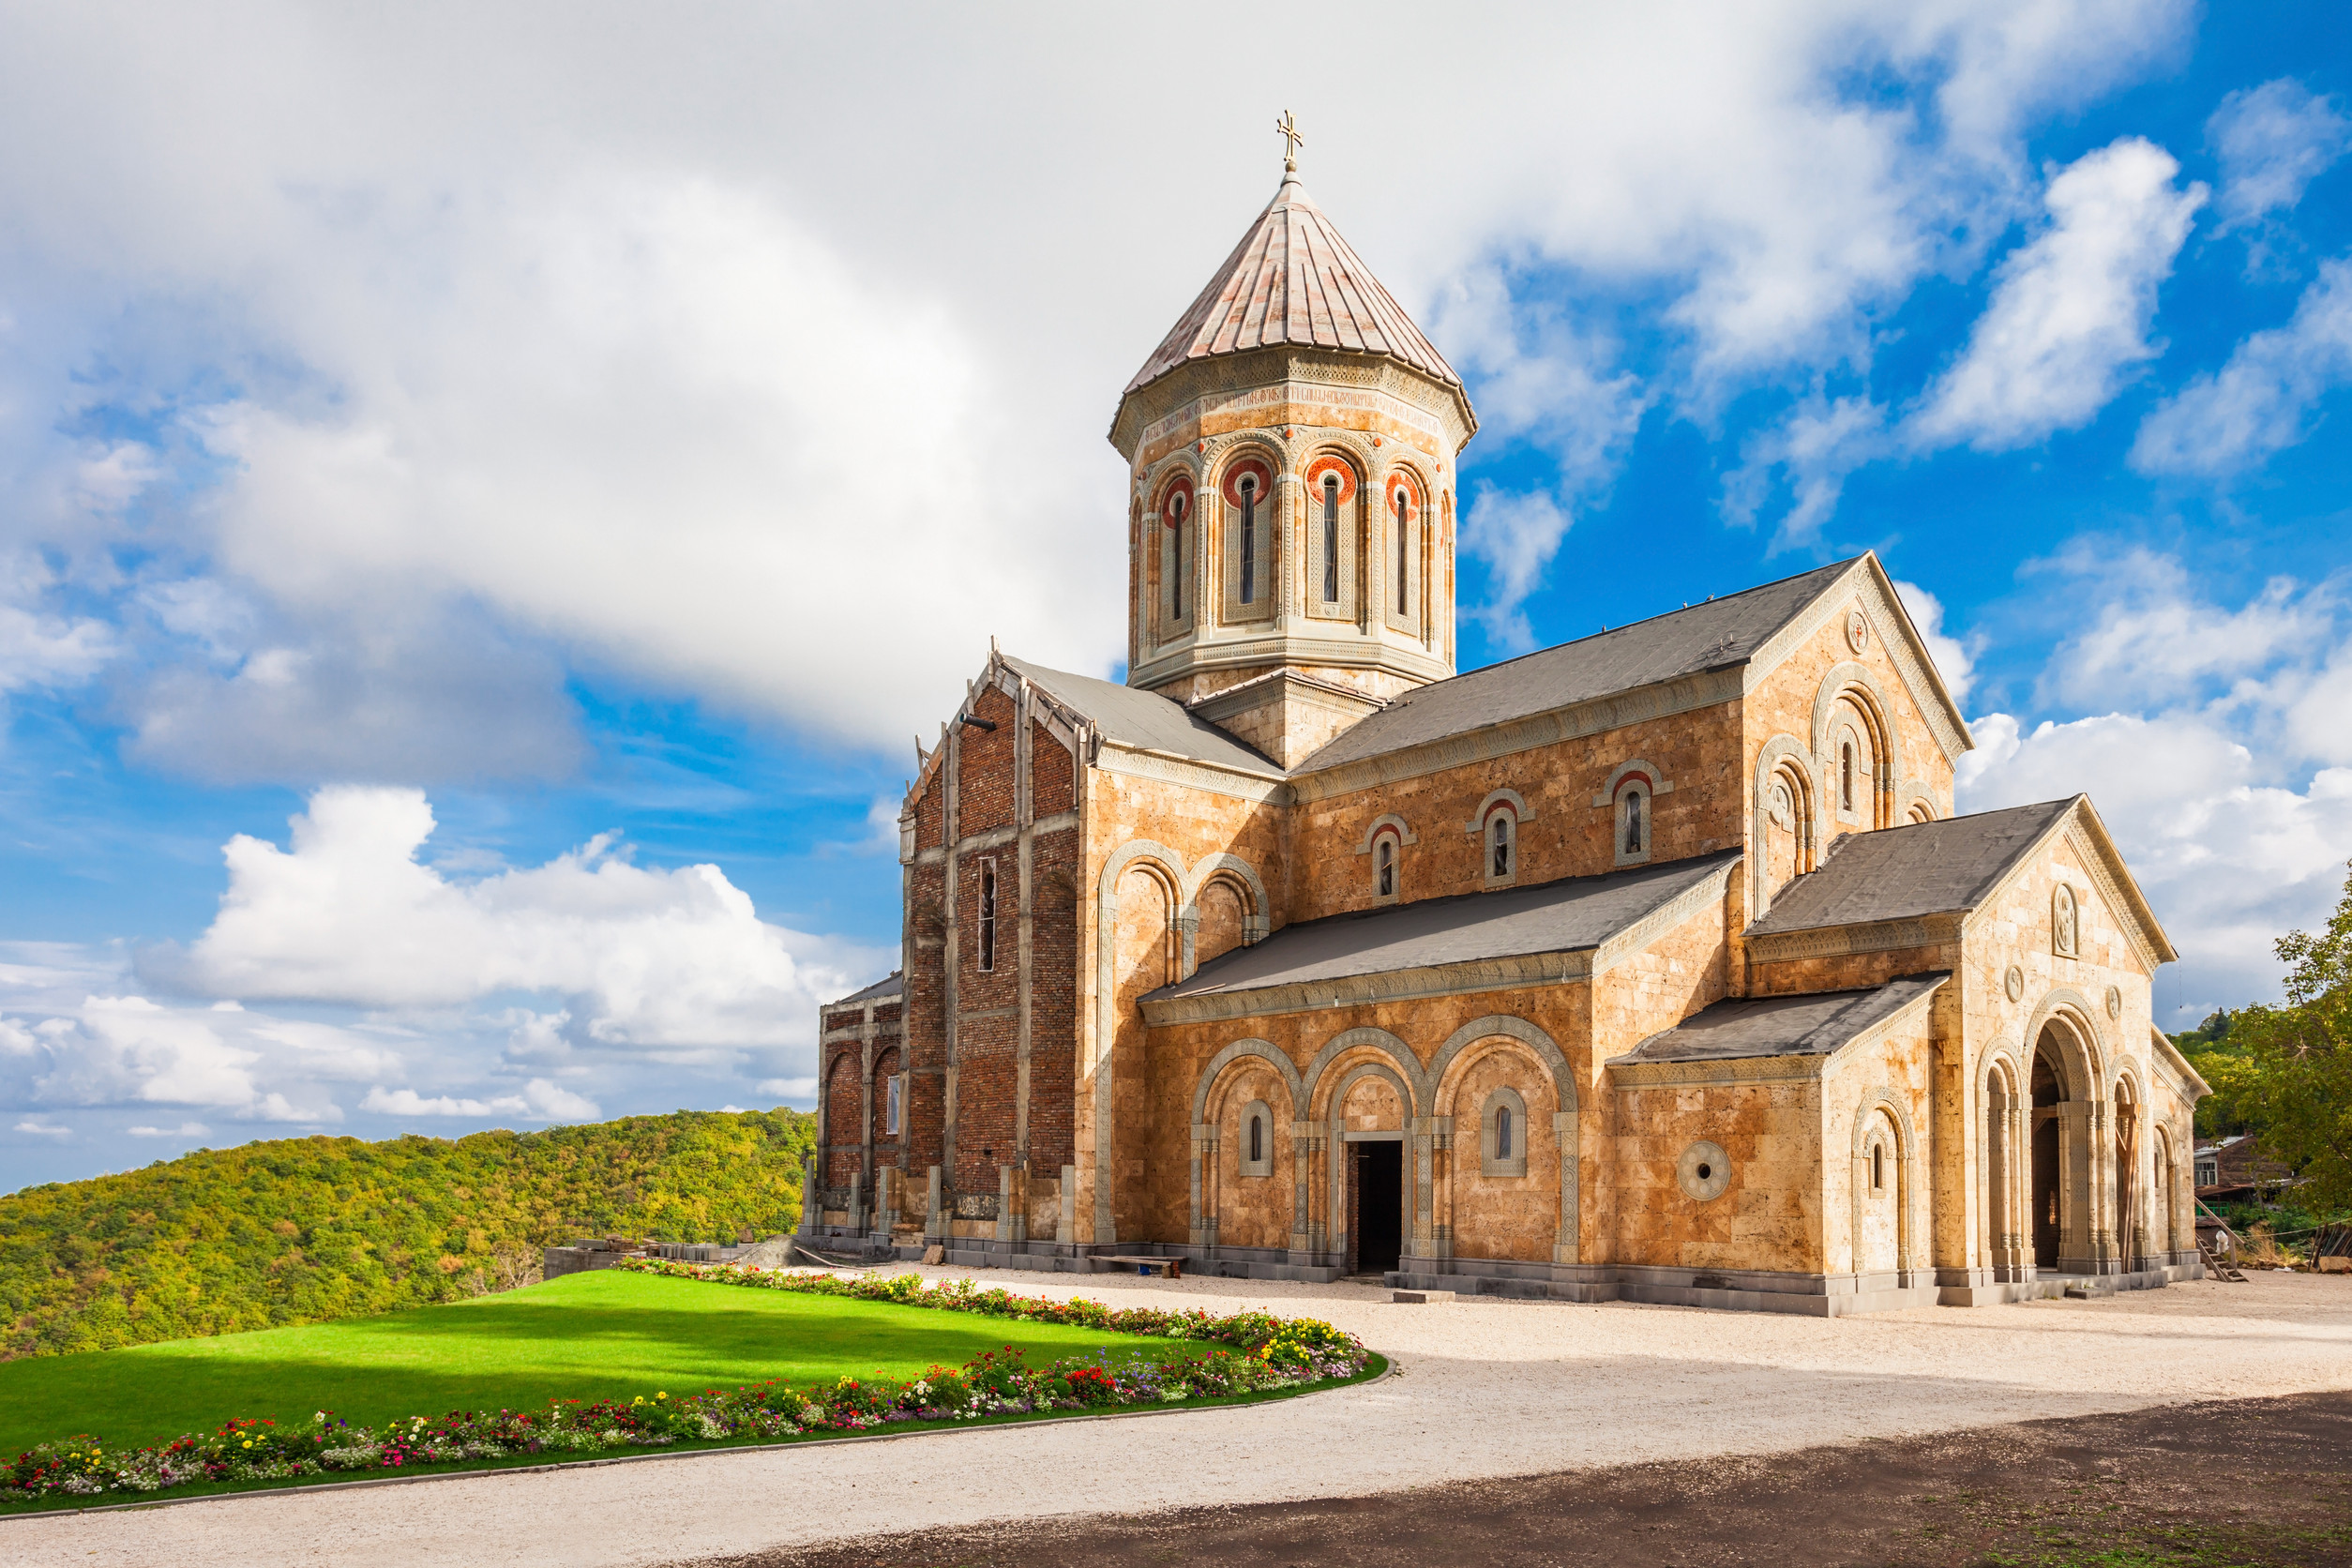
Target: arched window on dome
(1179,509)
(1248,487)
(1404,553)
(1330,538)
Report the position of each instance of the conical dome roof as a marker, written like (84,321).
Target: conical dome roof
(1293,280)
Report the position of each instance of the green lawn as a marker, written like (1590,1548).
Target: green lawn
(592,1335)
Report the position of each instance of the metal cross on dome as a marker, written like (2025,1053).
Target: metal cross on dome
(1288,129)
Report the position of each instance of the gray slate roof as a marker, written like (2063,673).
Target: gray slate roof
(892,985)
(1782,1025)
(1145,719)
(1901,873)
(1710,636)
(1572,914)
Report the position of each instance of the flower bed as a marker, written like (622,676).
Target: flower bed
(1287,1341)
(1259,1354)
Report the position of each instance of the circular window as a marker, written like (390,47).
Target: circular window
(1857,630)
(1704,1171)
(2015,983)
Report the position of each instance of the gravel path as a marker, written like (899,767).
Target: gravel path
(1483,1389)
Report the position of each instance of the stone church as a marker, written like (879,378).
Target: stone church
(1654,966)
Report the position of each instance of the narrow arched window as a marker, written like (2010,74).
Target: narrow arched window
(1878,1167)
(1176,505)
(1635,832)
(987,915)
(1502,1133)
(1846,776)
(1257,1139)
(1249,538)
(1384,864)
(1330,538)
(1403,553)
(1498,832)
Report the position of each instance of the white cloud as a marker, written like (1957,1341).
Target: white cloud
(1813,448)
(658,381)
(41,1129)
(2260,402)
(2069,311)
(2273,140)
(1517,535)
(186,1129)
(1952,656)
(799,1092)
(646,957)
(540,1101)
(2142,635)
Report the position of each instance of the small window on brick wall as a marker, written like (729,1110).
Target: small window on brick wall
(1257,1139)
(1502,1135)
(1502,846)
(894,1105)
(986,922)
(1384,869)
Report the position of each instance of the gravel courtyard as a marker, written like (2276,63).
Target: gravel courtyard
(1482,1389)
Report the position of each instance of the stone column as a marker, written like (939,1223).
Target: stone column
(1011,1204)
(935,1227)
(888,1185)
(1564,1248)
(812,1198)
(1066,1234)
(1442,1186)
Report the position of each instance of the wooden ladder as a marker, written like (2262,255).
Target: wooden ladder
(2216,1266)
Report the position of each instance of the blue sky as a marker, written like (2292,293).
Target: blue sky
(566,466)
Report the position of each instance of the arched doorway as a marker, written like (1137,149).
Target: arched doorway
(2049,1151)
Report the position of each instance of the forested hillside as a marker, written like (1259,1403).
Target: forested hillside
(303,1230)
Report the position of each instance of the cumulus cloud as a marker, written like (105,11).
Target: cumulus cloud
(2272,140)
(2144,635)
(650,958)
(540,1101)
(186,1129)
(2071,309)
(1953,659)
(43,1129)
(1516,534)
(2260,402)
(1811,448)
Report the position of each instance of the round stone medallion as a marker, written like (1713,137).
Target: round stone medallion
(1704,1171)
(2015,983)
(2115,1002)
(1857,630)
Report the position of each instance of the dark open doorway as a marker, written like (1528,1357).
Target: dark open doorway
(1376,1225)
(2046,1095)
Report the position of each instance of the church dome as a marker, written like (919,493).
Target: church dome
(1294,282)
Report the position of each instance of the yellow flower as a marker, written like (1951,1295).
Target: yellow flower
(662,1396)
(248,1442)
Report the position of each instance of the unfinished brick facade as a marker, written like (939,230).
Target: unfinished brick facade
(1654,965)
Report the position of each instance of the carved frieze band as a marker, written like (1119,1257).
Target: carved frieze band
(1402,985)
(1163,769)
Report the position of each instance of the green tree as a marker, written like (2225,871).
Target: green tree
(2289,1074)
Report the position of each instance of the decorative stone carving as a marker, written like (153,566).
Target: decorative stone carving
(2015,983)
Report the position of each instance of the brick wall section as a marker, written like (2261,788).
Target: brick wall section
(1569,837)
(1053,773)
(845,1106)
(984,765)
(1054,874)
